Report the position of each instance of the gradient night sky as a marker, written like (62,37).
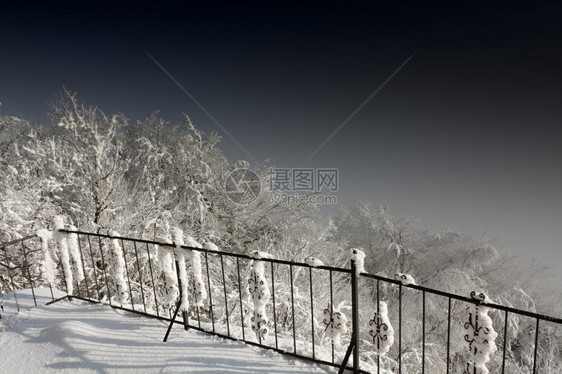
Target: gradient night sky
(466,136)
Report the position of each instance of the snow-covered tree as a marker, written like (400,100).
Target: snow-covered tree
(25,187)
(86,155)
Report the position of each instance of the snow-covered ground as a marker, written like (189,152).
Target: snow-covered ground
(80,337)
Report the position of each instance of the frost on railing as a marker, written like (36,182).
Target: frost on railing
(48,266)
(480,335)
(118,268)
(408,328)
(335,322)
(259,293)
(405,279)
(198,286)
(313,262)
(193,258)
(68,254)
(381,330)
(75,256)
(358,256)
(62,244)
(177,236)
(170,291)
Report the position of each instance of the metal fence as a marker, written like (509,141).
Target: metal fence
(393,326)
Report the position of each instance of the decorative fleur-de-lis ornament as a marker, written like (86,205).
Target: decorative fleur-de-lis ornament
(259,324)
(336,323)
(260,294)
(480,335)
(381,330)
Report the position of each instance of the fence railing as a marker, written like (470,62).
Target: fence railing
(330,315)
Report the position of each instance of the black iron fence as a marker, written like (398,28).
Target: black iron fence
(332,316)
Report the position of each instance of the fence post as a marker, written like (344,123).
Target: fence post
(355,316)
(354,344)
(178,306)
(9,267)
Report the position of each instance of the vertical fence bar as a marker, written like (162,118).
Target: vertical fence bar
(104,272)
(94,267)
(225,296)
(141,282)
(178,304)
(332,308)
(63,274)
(354,343)
(448,335)
(536,347)
(423,332)
(504,343)
(293,308)
(83,266)
(181,288)
(152,280)
(79,292)
(273,299)
(240,297)
(26,266)
(127,273)
(174,267)
(378,340)
(11,277)
(311,312)
(400,328)
(210,292)
(355,316)
(51,291)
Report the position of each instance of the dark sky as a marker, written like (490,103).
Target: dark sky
(466,136)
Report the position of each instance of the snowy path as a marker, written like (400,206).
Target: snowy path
(79,337)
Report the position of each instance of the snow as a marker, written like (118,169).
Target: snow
(336,323)
(177,236)
(80,337)
(210,246)
(406,279)
(190,242)
(260,254)
(48,267)
(198,286)
(170,291)
(381,330)
(358,256)
(480,334)
(118,267)
(13,170)
(60,238)
(258,290)
(313,261)
(75,258)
